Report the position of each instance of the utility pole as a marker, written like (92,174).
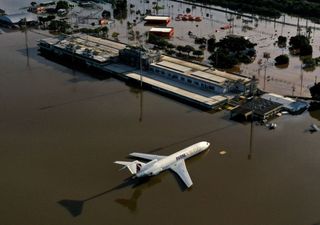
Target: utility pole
(293,90)
(252,91)
(301,79)
(26,39)
(265,77)
(298,26)
(266,55)
(141,83)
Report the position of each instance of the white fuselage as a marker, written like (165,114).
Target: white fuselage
(156,166)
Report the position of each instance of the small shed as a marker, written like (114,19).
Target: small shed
(15,19)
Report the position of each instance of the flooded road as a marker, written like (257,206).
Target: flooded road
(61,130)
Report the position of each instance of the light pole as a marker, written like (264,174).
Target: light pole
(141,82)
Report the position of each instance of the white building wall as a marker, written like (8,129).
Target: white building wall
(188,80)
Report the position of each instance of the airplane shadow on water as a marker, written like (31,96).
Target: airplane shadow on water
(132,202)
(75,207)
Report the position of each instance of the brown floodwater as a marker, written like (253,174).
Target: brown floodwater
(61,130)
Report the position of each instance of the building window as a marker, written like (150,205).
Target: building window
(196,83)
(174,76)
(189,81)
(157,71)
(162,72)
(211,88)
(182,78)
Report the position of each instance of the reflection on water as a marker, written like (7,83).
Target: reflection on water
(66,152)
(75,206)
(82,99)
(144,184)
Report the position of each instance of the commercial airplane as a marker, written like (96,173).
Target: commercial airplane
(158,163)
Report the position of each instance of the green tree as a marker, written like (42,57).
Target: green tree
(306,50)
(281,60)
(120,9)
(315,91)
(298,41)
(180,48)
(59,25)
(170,46)
(62,5)
(309,63)
(115,35)
(222,59)
(188,49)
(282,41)
(200,41)
(211,44)
(197,53)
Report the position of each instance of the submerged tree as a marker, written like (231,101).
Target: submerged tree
(211,44)
(282,41)
(62,5)
(232,50)
(300,45)
(315,91)
(120,9)
(281,60)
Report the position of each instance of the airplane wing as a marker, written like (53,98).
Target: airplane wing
(180,169)
(146,156)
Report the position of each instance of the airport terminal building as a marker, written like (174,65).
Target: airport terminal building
(200,76)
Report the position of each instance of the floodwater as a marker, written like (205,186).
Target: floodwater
(286,81)
(61,131)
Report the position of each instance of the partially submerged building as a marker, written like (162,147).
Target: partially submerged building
(201,76)
(162,20)
(288,104)
(192,82)
(166,32)
(91,50)
(18,18)
(257,109)
(136,57)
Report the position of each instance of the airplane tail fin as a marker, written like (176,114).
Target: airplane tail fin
(134,167)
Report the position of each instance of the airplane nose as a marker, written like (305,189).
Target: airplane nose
(208,145)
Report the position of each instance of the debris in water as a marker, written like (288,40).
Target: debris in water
(222,152)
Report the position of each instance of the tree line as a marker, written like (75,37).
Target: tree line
(271,8)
